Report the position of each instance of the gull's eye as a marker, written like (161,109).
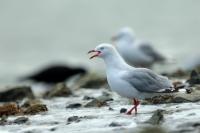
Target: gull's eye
(101,48)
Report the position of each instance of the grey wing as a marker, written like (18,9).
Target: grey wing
(146,48)
(145,80)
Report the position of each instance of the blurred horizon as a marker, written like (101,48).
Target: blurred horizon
(41,32)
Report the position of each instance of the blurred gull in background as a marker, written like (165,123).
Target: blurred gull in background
(136,52)
(130,82)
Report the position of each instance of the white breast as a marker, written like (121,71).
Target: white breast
(121,86)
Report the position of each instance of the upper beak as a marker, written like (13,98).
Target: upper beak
(97,53)
(114,38)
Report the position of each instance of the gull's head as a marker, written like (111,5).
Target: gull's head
(126,34)
(102,50)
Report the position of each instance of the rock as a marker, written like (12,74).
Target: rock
(123,110)
(158,99)
(16,93)
(115,124)
(3,120)
(92,81)
(194,78)
(9,109)
(178,85)
(194,96)
(152,129)
(30,102)
(35,109)
(156,118)
(73,119)
(87,98)
(74,105)
(60,90)
(111,109)
(95,103)
(78,118)
(20,120)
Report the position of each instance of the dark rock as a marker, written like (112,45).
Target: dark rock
(178,85)
(60,90)
(152,129)
(73,119)
(115,124)
(53,129)
(95,103)
(30,102)
(111,109)
(87,98)
(3,120)
(16,93)
(194,78)
(55,74)
(78,118)
(156,118)
(35,109)
(9,109)
(92,81)
(20,120)
(123,110)
(74,105)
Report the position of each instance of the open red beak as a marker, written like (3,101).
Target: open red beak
(97,53)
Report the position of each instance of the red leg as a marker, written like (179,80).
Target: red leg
(135,103)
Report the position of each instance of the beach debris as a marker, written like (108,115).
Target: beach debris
(35,109)
(16,93)
(20,120)
(156,118)
(9,109)
(74,105)
(60,90)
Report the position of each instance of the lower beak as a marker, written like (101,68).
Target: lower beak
(97,53)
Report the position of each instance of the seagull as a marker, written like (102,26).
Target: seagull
(136,52)
(130,82)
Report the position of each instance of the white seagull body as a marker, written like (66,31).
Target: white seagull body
(127,81)
(135,52)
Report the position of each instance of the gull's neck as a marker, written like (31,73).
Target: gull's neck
(114,61)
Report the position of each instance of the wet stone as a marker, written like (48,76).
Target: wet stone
(74,105)
(156,118)
(92,81)
(194,78)
(95,103)
(20,120)
(87,98)
(115,124)
(60,90)
(30,102)
(16,93)
(9,109)
(73,119)
(123,110)
(35,109)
